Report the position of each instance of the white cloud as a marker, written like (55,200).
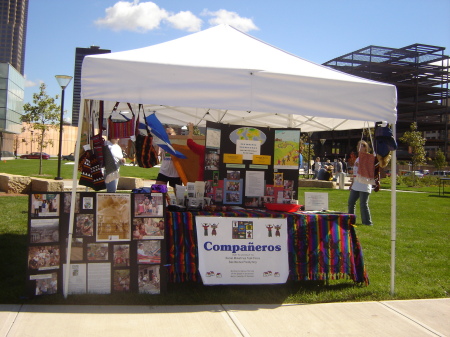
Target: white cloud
(30,83)
(133,16)
(231,18)
(185,21)
(144,16)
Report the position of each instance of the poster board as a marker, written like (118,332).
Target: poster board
(118,243)
(250,166)
(235,250)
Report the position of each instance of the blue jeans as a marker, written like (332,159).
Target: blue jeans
(111,187)
(363,205)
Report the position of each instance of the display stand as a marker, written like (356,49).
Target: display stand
(118,243)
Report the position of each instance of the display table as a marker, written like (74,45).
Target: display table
(321,246)
(442,182)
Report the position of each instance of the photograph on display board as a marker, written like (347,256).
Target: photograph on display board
(208,187)
(278,179)
(149,279)
(212,158)
(233,191)
(44,205)
(215,178)
(286,149)
(88,203)
(84,224)
(218,196)
(242,229)
(46,284)
(121,255)
(77,250)
(252,201)
(97,251)
(44,230)
(149,252)
(113,217)
(148,205)
(68,201)
(44,257)
(121,280)
(213,138)
(148,228)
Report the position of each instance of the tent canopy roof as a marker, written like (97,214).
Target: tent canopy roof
(224,75)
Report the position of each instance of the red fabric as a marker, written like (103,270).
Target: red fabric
(200,151)
(366,165)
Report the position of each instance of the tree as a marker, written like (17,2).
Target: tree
(416,143)
(306,149)
(41,116)
(439,161)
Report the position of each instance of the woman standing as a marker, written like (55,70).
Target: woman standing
(112,167)
(360,190)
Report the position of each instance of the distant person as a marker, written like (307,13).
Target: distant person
(112,167)
(338,169)
(167,172)
(316,167)
(360,190)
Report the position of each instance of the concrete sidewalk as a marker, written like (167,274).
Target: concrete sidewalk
(388,318)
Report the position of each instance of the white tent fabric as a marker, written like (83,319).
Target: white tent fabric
(223,75)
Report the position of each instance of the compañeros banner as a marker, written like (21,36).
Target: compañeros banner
(242,250)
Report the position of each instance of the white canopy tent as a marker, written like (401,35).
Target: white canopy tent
(224,75)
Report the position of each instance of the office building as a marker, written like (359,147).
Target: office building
(80,53)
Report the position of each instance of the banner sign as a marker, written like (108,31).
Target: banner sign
(235,250)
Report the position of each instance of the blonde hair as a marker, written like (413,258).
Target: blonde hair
(363,142)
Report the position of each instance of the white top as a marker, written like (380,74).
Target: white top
(167,167)
(357,186)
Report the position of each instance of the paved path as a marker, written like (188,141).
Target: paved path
(388,318)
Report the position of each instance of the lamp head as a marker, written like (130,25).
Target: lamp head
(63,80)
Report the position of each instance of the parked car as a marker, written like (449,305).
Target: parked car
(418,174)
(69,157)
(35,155)
(441,173)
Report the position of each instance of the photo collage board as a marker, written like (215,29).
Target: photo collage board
(118,243)
(250,166)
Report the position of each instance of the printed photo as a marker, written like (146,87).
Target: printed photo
(149,279)
(44,205)
(68,200)
(44,230)
(43,257)
(121,280)
(88,203)
(46,284)
(212,160)
(233,175)
(113,217)
(146,205)
(121,255)
(97,251)
(149,252)
(278,179)
(76,253)
(219,195)
(84,224)
(148,228)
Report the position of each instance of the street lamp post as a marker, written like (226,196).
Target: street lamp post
(63,81)
(309,151)
(322,141)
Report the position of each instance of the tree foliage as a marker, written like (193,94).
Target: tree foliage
(416,143)
(306,149)
(439,161)
(41,116)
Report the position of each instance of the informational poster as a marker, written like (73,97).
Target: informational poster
(316,201)
(77,278)
(99,278)
(235,250)
(113,217)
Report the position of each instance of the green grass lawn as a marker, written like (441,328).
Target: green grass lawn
(422,255)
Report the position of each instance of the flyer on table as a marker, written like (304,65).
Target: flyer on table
(236,250)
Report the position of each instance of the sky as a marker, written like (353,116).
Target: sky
(316,30)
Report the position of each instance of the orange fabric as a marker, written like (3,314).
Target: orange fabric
(186,168)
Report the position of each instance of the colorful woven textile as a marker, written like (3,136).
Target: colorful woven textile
(320,246)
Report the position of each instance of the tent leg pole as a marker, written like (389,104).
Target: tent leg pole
(393,212)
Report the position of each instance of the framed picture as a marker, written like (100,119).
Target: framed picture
(44,230)
(113,217)
(148,205)
(121,256)
(149,279)
(44,257)
(44,205)
(148,228)
(97,251)
(149,252)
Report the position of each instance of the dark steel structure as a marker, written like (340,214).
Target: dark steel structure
(80,53)
(421,74)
